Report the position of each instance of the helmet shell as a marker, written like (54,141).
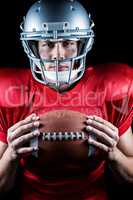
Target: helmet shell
(71,13)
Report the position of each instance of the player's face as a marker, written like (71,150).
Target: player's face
(60,50)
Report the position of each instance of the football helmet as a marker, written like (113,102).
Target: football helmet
(65,20)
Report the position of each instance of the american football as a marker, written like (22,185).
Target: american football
(63,146)
(63,135)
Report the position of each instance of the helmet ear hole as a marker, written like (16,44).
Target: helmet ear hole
(26,49)
(33,45)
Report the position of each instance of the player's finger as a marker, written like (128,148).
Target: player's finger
(104,128)
(21,130)
(102,137)
(98,144)
(26,150)
(19,142)
(27,120)
(102,121)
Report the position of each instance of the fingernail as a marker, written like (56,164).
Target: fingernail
(89,120)
(35,148)
(36,132)
(36,124)
(90,140)
(89,117)
(89,128)
(33,114)
(35,117)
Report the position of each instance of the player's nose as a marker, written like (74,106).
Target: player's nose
(58,52)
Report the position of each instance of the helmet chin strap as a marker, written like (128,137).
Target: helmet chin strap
(63,76)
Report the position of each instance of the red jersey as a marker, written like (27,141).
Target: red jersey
(105,91)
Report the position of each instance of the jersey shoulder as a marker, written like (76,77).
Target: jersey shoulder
(12,74)
(116,79)
(13,81)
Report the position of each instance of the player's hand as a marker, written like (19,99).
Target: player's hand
(21,133)
(104,135)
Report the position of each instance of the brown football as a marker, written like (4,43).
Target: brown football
(63,146)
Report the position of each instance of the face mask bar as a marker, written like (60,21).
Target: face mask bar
(69,77)
(40,73)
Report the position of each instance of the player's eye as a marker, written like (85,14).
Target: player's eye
(69,43)
(48,44)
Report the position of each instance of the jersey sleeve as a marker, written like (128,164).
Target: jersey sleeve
(126,113)
(120,111)
(3,129)
(14,97)
(119,99)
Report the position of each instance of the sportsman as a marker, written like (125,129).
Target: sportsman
(56,39)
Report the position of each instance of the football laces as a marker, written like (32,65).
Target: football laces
(63,136)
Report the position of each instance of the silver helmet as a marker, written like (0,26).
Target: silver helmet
(66,20)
